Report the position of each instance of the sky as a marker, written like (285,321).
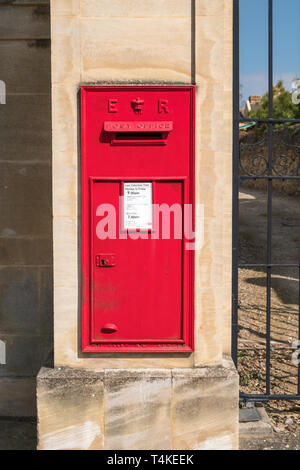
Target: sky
(254,44)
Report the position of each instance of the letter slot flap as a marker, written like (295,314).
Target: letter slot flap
(138,132)
(138,126)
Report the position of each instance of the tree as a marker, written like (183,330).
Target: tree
(283,106)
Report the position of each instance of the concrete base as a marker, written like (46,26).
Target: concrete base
(154,409)
(261,429)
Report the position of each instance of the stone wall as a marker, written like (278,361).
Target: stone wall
(140,401)
(26,311)
(156,409)
(155,41)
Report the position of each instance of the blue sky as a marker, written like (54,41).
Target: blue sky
(254,44)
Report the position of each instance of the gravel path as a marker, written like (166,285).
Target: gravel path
(284,304)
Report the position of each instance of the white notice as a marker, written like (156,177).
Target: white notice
(138,212)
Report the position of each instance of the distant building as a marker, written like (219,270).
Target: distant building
(254,100)
(252,104)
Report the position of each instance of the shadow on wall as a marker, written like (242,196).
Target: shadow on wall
(26,278)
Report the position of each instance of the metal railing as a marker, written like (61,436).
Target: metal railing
(269,173)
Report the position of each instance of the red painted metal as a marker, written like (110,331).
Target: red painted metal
(138,126)
(137,294)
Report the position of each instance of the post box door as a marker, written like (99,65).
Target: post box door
(137,266)
(137,282)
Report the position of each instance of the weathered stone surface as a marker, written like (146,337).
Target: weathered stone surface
(257,429)
(25,66)
(210,8)
(125,49)
(25,214)
(25,251)
(25,123)
(18,396)
(132,9)
(205,409)
(65,243)
(126,42)
(26,308)
(65,47)
(65,150)
(108,50)
(70,8)
(213,177)
(19,301)
(25,205)
(70,410)
(46,325)
(64,103)
(16,434)
(24,354)
(138,409)
(31,22)
(35,2)
(123,41)
(227,170)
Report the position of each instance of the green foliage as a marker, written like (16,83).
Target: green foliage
(283,106)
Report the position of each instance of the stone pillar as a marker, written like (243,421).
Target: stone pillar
(143,401)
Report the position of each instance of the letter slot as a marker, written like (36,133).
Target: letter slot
(141,133)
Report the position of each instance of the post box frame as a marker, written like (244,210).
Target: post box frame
(186,344)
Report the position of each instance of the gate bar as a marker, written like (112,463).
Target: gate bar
(235,189)
(270,202)
(237,179)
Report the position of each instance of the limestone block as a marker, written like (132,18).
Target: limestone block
(24,354)
(65,49)
(132,9)
(209,108)
(25,251)
(65,150)
(65,249)
(25,208)
(151,409)
(17,396)
(213,191)
(127,41)
(19,301)
(210,48)
(37,2)
(25,123)
(25,66)
(228,11)
(126,49)
(64,106)
(29,22)
(46,301)
(70,410)
(208,326)
(66,320)
(26,186)
(210,7)
(65,8)
(65,197)
(205,409)
(137,410)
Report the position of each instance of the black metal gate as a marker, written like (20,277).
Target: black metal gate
(267,160)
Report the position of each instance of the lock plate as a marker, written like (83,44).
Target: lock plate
(105,261)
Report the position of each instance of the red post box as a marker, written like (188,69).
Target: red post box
(137,183)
